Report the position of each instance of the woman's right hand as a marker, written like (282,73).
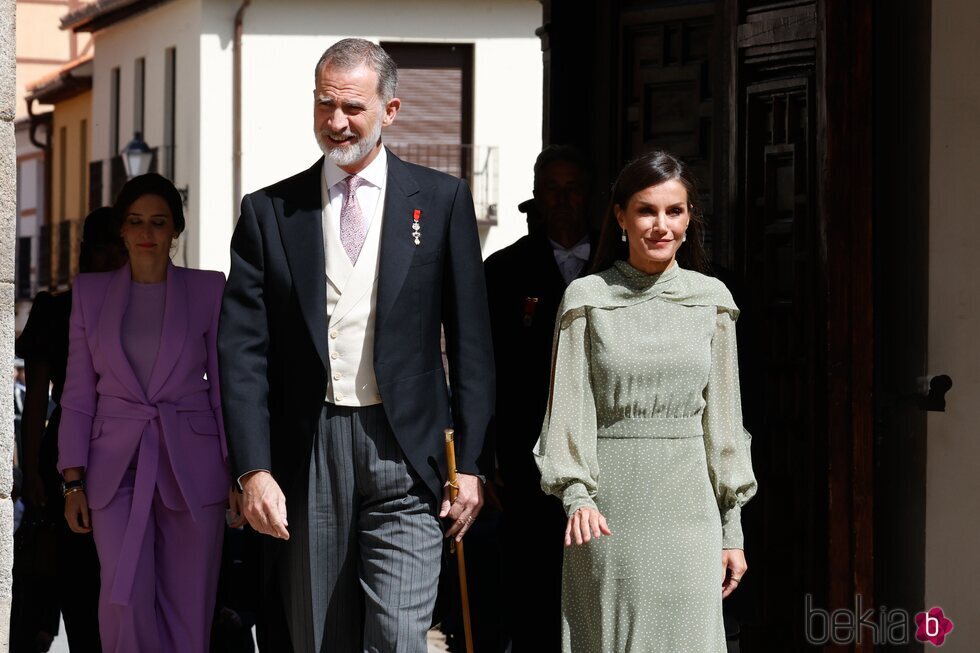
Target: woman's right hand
(585,524)
(76,512)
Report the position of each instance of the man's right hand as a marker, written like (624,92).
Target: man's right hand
(264,504)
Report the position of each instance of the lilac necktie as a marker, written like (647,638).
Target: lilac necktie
(352,230)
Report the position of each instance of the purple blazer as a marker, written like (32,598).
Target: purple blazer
(176,425)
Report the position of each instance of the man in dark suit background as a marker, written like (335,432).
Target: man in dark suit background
(333,386)
(525,284)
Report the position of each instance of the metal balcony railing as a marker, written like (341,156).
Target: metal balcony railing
(476,164)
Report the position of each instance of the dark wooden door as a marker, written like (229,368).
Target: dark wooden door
(773,251)
(776,258)
(800,141)
(800,144)
(902,125)
(667,85)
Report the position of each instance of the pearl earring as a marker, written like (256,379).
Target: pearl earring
(684,237)
(624,236)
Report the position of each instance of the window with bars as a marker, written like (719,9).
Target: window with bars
(434,127)
(64,252)
(169,112)
(114,112)
(44,258)
(25,247)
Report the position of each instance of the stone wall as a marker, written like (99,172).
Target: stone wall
(8,209)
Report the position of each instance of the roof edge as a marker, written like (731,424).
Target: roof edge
(70,80)
(104,13)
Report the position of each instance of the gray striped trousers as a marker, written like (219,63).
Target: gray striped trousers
(362,561)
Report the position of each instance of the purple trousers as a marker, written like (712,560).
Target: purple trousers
(176,578)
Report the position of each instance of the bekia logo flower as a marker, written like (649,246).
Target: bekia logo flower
(932,626)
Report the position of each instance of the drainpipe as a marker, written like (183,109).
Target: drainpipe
(236,110)
(36,121)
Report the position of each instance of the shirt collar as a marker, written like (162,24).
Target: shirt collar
(375,173)
(582,245)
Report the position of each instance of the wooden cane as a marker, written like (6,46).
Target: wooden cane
(457,547)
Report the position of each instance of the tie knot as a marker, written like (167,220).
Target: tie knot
(353,183)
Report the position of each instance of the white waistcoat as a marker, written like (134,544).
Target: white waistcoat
(352,293)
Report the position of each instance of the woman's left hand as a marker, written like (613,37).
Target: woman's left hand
(236,518)
(734,567)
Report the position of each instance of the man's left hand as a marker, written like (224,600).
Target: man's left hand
(467,506)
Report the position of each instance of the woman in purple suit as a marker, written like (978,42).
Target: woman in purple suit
(142,443)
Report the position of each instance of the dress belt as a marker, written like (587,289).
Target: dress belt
(668,428)
(160,419)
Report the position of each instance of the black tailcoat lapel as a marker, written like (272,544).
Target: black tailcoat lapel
(300,215)
(397,247)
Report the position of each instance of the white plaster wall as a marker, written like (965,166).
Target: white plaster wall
(284,40)
(508,112)
(218,209)
(953,486)
(174,24)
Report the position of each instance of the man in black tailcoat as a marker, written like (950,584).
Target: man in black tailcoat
(525,284)
(343,278)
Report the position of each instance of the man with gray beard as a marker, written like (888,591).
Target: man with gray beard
(332,381)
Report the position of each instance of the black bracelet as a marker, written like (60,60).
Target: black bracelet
(77,484)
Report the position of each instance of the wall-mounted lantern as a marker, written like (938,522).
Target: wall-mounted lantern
(137,157)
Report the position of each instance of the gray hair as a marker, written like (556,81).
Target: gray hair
(348,54)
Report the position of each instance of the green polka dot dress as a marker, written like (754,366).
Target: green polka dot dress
(645,424)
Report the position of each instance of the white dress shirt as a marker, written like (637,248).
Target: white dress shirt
(369,195)
(571,260)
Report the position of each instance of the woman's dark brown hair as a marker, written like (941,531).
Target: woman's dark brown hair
(150,184)
(651,169)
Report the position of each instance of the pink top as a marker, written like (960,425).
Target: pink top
(142,326)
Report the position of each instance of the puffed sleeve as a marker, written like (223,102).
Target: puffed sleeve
(79,400)
(726,442)
(566,451)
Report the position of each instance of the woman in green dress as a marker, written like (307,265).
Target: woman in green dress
(643,440)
